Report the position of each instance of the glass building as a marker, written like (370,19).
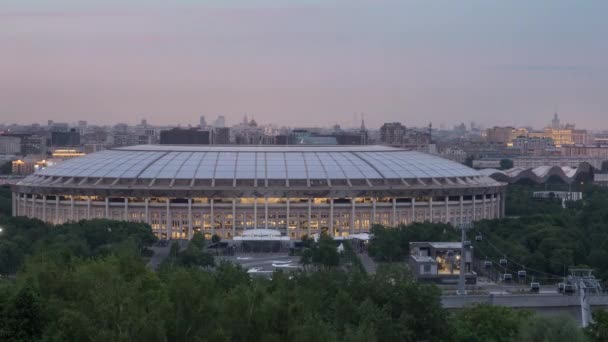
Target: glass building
(226,190)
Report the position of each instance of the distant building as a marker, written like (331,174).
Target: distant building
(501,135)
(586,150)
(10,145)
(220,122)
(202,122)
(601,179)
(179,136)
(63,139)
(392,133)
(221,136)
(439,262)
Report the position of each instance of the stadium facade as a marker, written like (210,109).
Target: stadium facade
(226,190)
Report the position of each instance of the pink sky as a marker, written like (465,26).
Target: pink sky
(491,62)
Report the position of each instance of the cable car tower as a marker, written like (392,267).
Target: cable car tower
(586,285)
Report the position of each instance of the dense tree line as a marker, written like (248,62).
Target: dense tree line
(87,281)
(551,239)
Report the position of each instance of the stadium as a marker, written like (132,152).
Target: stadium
(290,191)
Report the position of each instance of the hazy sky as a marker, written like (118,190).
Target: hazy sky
(305,62)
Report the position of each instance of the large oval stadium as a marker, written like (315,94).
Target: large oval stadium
(227,190)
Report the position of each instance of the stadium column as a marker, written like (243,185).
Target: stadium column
(34,206)
(287,217)
(492,205)
(447,209)
(107,213)
(211,217)
(484,208)
(373,210)
(503,202)
(474,208)
(147,209)
(331,217)
(266,211)
(71,208)
(56,209)
(233,217)
(394,215)
(461,209)
(14,207)
(255,213)
(126,200)
(189,218)
(88,207)
(168,222)
(44,208)
(309,216)
(352,216)
(432,219)
(413,209)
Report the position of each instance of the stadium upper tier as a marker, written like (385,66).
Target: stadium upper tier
(185,165)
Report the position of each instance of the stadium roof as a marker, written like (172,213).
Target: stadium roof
(259,162)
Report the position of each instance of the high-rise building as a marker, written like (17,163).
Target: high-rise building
(202,122)
(10,145)
(555,124)
(70,138)
(221,136)
(392,133)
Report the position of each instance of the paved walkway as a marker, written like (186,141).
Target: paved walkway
(368,264)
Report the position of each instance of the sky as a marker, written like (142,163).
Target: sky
(305,62)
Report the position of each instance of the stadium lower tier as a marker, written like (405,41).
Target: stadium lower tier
(180,218)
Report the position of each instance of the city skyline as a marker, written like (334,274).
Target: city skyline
(314,64)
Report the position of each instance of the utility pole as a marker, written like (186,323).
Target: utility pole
(461,279)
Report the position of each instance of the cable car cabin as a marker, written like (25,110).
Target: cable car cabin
(535,287)
(487,264)
(560,287)
(478,237)
(569,289)
(521,274)
(503,262)
(467,244)
(507,277)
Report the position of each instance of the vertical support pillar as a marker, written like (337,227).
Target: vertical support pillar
(413,209)
(169,222)
(189,218)
(266,212)
(211,217)
(56,209)
(394,215)
(233,218)
(255,213)
(126,208)
(34,206)
(89,207)
(432,218)
(107,214)
(373,211)
(352,217)
(71,208)
(287,218)
(461,209)
(43,208)
(331,217)
(309,215)
(447,209)
(147,210)
(474,217)
(484,214)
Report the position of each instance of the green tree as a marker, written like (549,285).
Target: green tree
(554,329)
(22,319)
(487,323)
(597,331)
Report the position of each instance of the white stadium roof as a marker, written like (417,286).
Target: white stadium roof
(259,162)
